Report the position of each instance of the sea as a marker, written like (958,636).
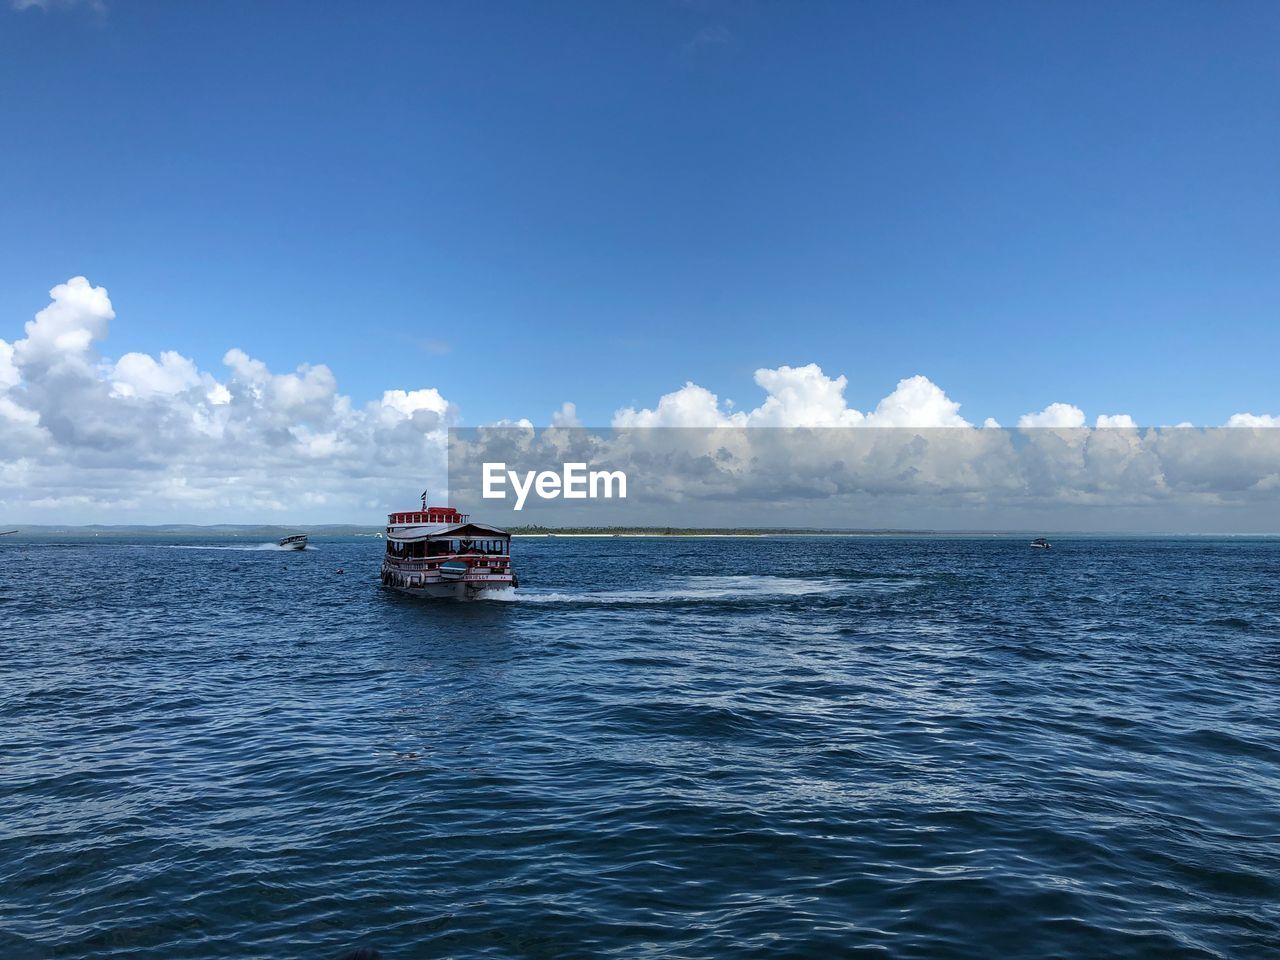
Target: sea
(891,747)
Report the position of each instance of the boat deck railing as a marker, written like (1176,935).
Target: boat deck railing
(490,559)
(417,518)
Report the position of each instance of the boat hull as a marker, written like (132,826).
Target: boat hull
(454,590)
(432,586)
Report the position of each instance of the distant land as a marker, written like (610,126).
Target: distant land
(275,532)
(248,531)
(264,532)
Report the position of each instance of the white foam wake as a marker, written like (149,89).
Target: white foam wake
(246,548)
(698,589)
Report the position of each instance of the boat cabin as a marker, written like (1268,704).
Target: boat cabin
(433,535)
(448,539)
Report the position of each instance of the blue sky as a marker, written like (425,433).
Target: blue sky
(526,203)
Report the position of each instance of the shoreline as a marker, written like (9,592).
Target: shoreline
(250,532)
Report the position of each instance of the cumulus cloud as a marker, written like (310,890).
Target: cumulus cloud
(1171,479)
(1059,416)
(799,397)
(1118,421)
(141,375)
(62,334)
(9,375)
(87,437)
(690,406)
(916,402)
(921,464)
(566,416)
(1253,420)
(410,403)
(84,437)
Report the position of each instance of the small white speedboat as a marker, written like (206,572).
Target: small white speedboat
(1040,543)
(296,542)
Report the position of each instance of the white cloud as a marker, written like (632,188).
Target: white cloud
(408,403)
(566,416)
(1118,421)
(84,437)
(1253,420)
(916,402)
(9,376)
(800,397)
(64,331)
(140,375)
(149,438)
(690,406)
(1061,478)
(1061,416)
(16,414)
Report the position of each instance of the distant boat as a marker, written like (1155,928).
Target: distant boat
(297,542)
(5,533)
(1040,543)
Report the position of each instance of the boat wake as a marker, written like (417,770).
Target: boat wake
(695,589)
(239,548)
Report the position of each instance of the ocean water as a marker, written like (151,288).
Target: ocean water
(709,748)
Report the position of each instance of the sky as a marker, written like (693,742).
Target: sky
(472,212)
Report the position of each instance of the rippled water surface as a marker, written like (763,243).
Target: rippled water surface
(657,748)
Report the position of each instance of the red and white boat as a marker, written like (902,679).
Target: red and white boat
(439,552)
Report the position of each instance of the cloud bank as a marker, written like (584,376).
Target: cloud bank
(140,438)
(1119,479)
(84,438)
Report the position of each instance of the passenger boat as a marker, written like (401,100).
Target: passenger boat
(296,542)
(439,552)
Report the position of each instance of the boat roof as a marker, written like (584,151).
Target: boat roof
(428,530)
